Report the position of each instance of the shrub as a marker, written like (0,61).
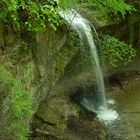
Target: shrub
(116,51)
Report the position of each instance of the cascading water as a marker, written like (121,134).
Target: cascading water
(82,26)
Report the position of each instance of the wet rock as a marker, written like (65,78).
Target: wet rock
(127,128)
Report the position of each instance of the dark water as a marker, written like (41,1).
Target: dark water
(128,106)
(88,99)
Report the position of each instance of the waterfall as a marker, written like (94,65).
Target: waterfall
(83,27)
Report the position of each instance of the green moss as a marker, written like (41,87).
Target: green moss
(59,65)
(17,105)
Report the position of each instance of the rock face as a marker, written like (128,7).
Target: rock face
(56,108)
(51,53)
(61,69)
(54,60)
(9,40)
(57,57)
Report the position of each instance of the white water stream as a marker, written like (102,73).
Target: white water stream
(83,27)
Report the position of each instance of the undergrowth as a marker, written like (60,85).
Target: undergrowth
(17,104)
(116,51)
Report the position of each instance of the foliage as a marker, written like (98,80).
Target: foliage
(116,51)
(18,103)
(110,8)
(34,15)
(30,14)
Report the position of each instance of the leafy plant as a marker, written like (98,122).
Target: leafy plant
(30,15)
(34,15)
(109,8)
(116,51)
